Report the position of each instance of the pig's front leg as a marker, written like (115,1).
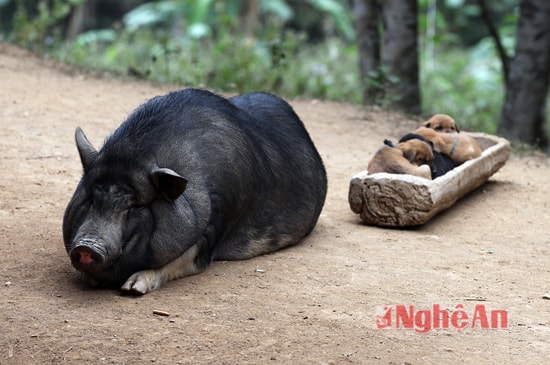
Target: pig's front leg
(145,281)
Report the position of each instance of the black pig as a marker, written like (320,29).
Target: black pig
(188,178)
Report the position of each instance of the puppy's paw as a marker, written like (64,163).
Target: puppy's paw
(425,172)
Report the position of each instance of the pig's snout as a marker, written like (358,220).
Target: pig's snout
(87,257)
(83,256)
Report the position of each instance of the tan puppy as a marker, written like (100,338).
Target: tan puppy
(411,157)
(459,147)
(441,123)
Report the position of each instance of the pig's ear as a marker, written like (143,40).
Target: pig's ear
(86,151)
(168,183)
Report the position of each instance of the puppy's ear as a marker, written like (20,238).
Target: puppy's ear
(425,124)
(431,144)
(456,128)
(409,154)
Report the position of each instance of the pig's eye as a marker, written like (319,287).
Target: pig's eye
(134,205)
(134,212)
(133,208)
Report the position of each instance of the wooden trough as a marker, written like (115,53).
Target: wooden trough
(393,200)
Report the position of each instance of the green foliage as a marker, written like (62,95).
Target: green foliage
(326,71)
(337,12)
(172,41)
(377,82)
(35,23)
(282,64)
(202,43)
(467,86)
(461,73)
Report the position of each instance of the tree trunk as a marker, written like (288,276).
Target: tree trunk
(94,14)
(76,21)
(493,32)
(249,17)
(400,54)
(367,16)
(523,114)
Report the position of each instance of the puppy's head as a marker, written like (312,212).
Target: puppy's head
(441,123)
(418,152)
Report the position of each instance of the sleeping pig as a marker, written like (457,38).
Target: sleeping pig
(188,178)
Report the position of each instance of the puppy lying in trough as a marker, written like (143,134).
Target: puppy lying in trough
(401,199)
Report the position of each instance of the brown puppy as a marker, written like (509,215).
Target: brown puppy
(458,146)
(441,123)
(411,157)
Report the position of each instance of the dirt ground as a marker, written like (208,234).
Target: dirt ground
(314,303)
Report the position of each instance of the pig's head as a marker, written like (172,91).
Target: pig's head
(109,223)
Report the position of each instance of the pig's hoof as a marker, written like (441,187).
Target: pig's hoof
(141,283)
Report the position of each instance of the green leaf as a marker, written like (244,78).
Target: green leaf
(94,36)
(278,8)
(149,14)
(198,30)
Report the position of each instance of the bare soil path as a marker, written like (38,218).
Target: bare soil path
(314,303)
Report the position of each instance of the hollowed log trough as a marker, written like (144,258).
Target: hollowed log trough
(398,200)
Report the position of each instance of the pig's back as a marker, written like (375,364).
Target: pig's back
(251,154)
